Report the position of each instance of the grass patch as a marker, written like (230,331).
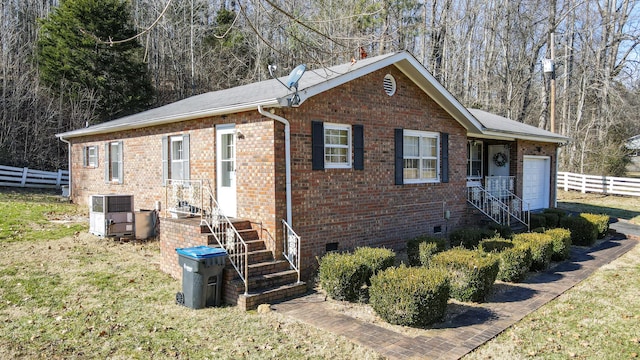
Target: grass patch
(597,319)
(28,216)
(81,296)
(622,207)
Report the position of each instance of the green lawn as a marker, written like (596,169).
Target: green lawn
(67,294)
(623,207)
(597,319)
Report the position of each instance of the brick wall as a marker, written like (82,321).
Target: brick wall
(523,148)
(176,234)
(349,207)
(364,208)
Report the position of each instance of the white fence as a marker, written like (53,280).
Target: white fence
(25,177)
(599,184)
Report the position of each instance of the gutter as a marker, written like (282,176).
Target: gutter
(287,155)
(154,121)
(69,162)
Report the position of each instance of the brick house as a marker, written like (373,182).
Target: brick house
(370,153)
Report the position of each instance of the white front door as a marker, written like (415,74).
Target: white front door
(226,169)
(498,160)
(536,180)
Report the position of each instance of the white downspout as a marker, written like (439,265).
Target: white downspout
(287,155)
(69,161)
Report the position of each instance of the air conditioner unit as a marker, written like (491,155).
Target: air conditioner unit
(111,215)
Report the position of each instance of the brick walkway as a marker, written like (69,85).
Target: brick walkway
(475,325)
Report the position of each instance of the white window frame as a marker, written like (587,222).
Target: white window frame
(422,135)
(90,156)
(337,165)
(116,158)
(471,144)
(173,140)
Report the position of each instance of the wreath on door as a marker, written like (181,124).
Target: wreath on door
(500,159)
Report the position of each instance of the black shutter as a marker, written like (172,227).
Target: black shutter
(317,145)
(444,142)
(399,151)
(358,147)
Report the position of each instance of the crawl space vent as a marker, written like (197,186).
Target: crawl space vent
(389,84)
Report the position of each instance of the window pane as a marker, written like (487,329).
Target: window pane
(476,168)
(92,156)
(227,169)
(176,170)
(429,147)
(227,146)
(336,137)
(476,153)
(336,155)
(176,150)
(411,146)
(114,154)
(411,168)
(429,169)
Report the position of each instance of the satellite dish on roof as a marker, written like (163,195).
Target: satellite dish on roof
(292,82)
(295,75)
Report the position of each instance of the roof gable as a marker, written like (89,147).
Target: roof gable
(271,93)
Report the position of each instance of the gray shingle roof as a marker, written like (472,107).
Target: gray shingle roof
(493,123)
(270,93)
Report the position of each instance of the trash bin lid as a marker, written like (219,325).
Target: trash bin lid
(201,252)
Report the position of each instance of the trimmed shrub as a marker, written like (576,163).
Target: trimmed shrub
(414,246)
(551,220)
(541,246)
(599,221)
(561,213)
(515,263)
(561,243)
(469,238)
(472,273)
(426,252)
(537,221)
(375,259)
(410,296)
(583,232)
(503,231)
(495,244)
(342,276)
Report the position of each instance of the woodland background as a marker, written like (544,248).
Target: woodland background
(487,53)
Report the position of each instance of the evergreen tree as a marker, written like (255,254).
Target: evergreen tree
(75,53)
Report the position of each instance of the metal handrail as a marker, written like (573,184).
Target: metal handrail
(503,187)
(291,247)
(489,205)
(227,237)
(183,194)
(504,199)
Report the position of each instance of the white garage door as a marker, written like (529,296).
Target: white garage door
(536,180)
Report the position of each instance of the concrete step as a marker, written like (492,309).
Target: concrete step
(271,295)
(268,267)
(264,281)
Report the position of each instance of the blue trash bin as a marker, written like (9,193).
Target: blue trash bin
(201,276)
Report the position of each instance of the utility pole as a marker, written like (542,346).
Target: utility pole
(552,103)
(549,69)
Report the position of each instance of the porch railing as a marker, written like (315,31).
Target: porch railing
(499,184)
(500,192)
(489,205)
(503,188)
(291,247)
(195,198)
